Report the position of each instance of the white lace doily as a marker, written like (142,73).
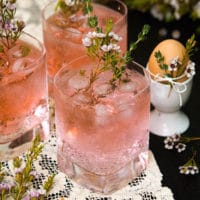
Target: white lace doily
(146,187)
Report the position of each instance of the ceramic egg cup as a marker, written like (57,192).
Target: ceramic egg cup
(167,119)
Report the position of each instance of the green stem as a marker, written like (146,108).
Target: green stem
(195,138)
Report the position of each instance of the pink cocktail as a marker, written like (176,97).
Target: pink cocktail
(23,94)
(63,36)
(102,132)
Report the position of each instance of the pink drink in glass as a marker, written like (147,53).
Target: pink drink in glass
(63,37)
(102,133)
(23,93)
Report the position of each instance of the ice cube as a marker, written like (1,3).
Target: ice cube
(102,90)
(79,82)
(103,112)
(103,109)
(125,111)
(81,99)
(124,105)
(20,64)
(128,87)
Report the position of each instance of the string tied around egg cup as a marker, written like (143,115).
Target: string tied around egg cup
(168,96)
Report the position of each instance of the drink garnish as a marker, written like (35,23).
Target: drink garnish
(11,29)
(101,44)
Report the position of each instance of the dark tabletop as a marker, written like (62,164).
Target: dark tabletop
(184,187)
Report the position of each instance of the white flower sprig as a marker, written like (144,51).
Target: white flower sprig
(167,10)
(178,142)
(190,167)
(101,44)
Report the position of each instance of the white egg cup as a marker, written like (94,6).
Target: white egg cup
(167,119)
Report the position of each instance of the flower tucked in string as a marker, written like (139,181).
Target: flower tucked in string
(175,62)
(190,70)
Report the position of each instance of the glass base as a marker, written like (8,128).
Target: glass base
(19,145)
(104,184)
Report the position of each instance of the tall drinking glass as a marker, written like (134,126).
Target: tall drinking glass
(63,36)
(23,95)
(102,132)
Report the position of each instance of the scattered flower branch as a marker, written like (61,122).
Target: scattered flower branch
(178,142)
(167,10)
(20,187)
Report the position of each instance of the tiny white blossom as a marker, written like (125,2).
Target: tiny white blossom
(180,147)
(115,36)
(190,70)
(177,15)
(156,13)
(70,2)
(169,143)
(176,137)
(91,34)
(116,48)
(100,35)
(197,9)
(175,4)
(87,42)
(189,169)
(106,48)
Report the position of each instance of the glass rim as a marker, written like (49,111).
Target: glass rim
(69,66)
(44,18)
(32,65)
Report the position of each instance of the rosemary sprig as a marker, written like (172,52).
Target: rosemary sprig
(21,185)
(10,28)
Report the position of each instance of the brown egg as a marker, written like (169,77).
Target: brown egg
(169,49)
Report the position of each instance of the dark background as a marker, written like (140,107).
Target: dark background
(184,187)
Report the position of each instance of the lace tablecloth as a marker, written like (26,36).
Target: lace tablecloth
(147,186)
